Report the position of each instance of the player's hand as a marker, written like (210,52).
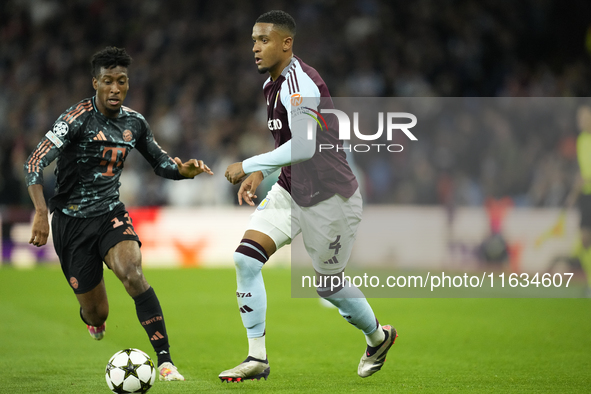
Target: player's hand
(249,187)
(235,173)
(192,168)
(40,229)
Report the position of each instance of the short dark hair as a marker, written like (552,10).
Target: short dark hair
(280,18)
(109,57)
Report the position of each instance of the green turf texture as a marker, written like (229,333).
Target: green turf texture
(445,345)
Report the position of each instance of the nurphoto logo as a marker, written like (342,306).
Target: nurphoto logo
(392,125)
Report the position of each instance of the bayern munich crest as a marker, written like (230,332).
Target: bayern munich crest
(127,136)
(60,129)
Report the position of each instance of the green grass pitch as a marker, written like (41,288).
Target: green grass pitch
(445,345)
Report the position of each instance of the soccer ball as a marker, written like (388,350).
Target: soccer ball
(130,371)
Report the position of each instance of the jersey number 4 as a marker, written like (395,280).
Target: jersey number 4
(114,157)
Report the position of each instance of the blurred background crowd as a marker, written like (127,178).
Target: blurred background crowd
(194,79)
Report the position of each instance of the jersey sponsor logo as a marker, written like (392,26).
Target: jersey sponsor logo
(275,124)
(54,138)
(60,129)
(296,99)
(263,204)
(127,135)
(114,158)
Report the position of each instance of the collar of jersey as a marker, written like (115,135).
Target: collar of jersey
(286,69)
(121,112)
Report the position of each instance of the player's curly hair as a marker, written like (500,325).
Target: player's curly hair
(280,18)
(109,57)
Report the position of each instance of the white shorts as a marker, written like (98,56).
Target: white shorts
(328,228)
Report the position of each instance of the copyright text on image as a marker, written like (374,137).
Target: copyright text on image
(442,281)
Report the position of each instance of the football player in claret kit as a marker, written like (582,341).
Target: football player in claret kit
(316,194)
(91,141)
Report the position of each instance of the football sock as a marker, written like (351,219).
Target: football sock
(376,338)
(371,350)
(256,348)
(150,316)
(249,259)
(353,307)
(251,358)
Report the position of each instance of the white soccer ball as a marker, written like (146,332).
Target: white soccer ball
(130,371)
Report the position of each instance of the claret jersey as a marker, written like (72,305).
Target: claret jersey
(327,173)
(90,149)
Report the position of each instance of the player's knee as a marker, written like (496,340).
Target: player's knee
(131,275)
(133,279)
(246,265)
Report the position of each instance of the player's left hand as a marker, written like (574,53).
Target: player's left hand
(249,187)
(235,173)
(192,168)
(40,229)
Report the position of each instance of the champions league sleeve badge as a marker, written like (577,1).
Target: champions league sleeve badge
(60,129)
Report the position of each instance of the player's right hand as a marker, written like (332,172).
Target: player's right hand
(192,168)
(40,229)
(249,187)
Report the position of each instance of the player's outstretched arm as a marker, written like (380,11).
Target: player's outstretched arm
(249,187)
(192,168)
(40,229)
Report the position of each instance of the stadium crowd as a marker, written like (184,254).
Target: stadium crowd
(194,79)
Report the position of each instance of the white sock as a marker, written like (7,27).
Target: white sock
(375,338)
(256,348)
(353,307)
(356,310)
(250,291)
